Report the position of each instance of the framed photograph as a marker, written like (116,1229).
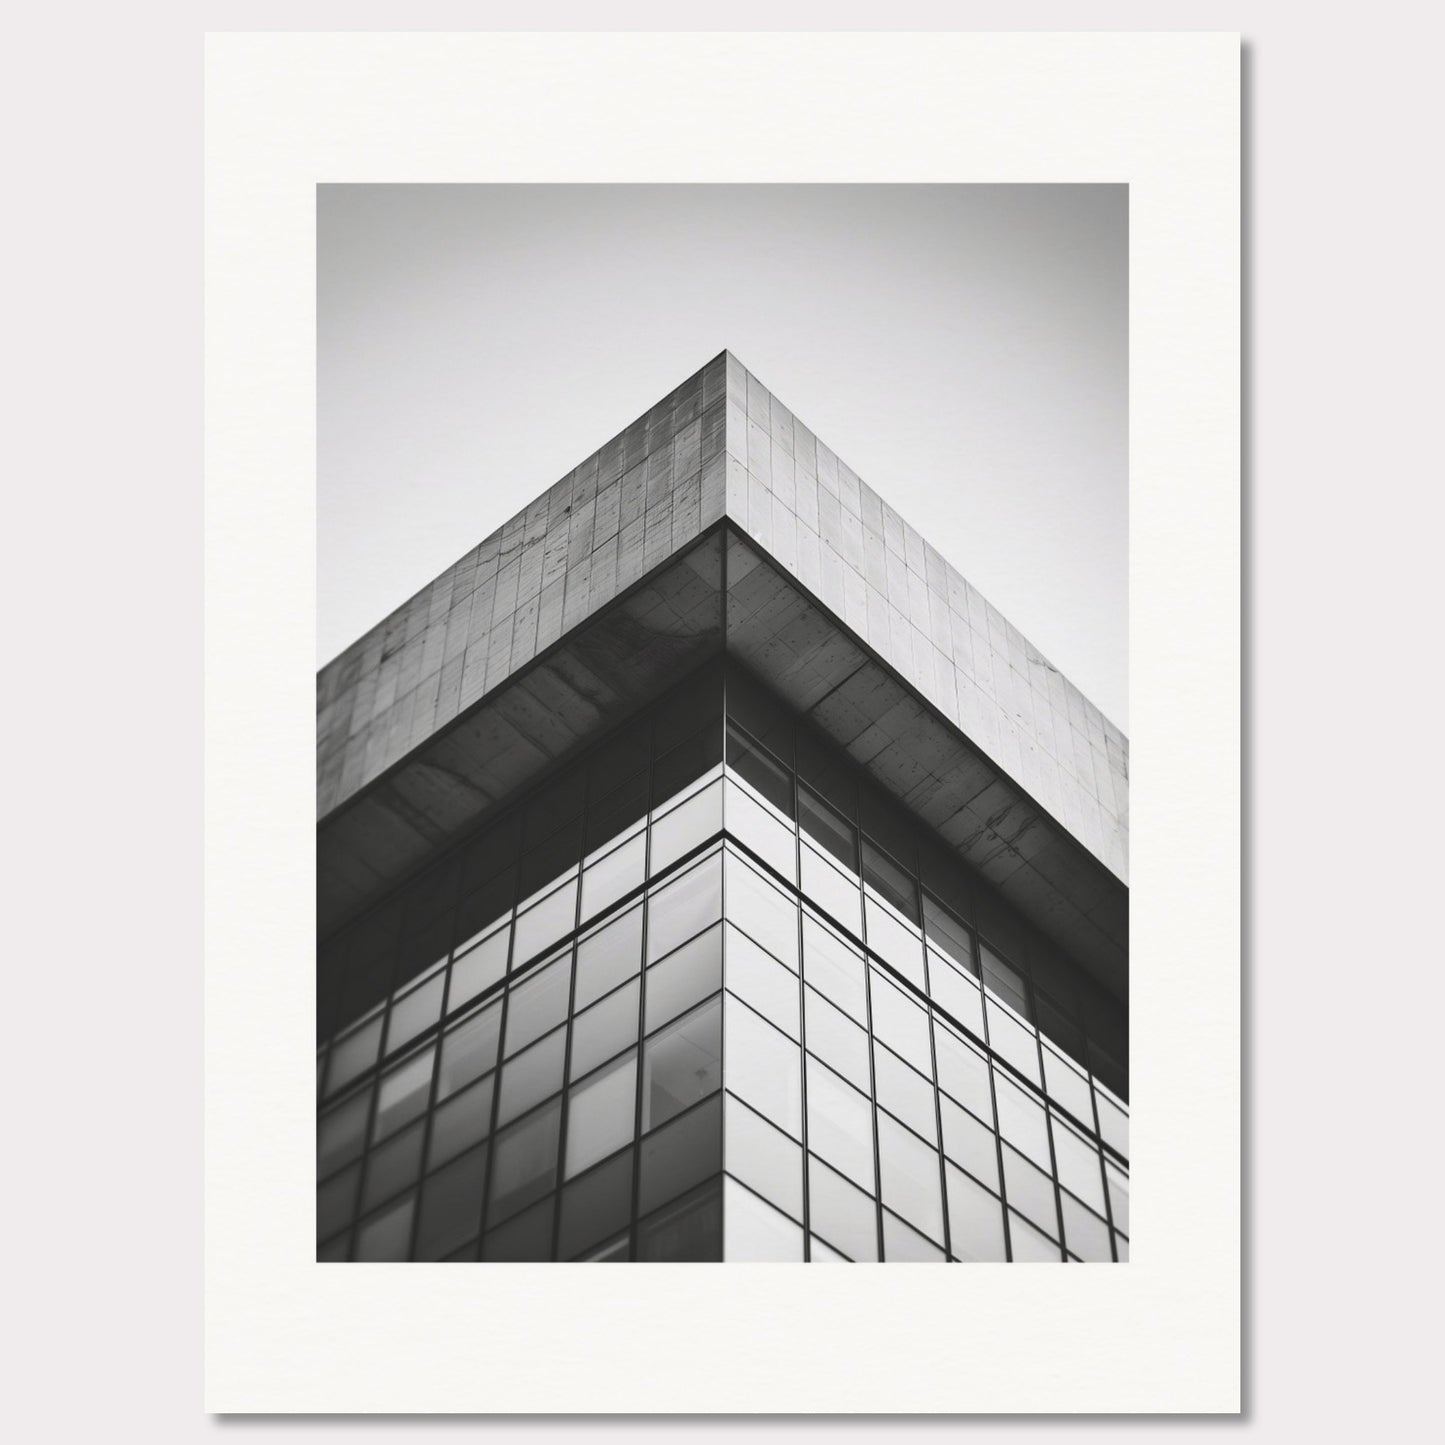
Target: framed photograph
(717,584)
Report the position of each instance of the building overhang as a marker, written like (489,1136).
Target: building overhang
(724,593)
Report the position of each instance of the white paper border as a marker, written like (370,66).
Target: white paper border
(285,112)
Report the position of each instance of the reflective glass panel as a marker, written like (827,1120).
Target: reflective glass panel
(1014,1041)
(393,1166)
(758,979)
(763,1067)
(894,942)
(685,826)
(838,1041)
(544,923)
(828,827)
(403,1093)
(1118,1197)
(832,890)
(596,1205)
(890,880)
(682,1063)
(764,1158)
(903,1245)
(415,1012)
(681,1154)
(967,1142)
(461,1121)
(608,956)
(948,934)
(537,1003)
(835,969)
(1078,1166)
(772,781)
(529,1077)
(905,1093)
(975,1219)
(768,837)
(525,1238)
(1029,1189)
(1029,1246)
(840,1125)
(605,1029)
(753,1231)
(684,907)
(387,1236)
(955,993)
(479,968)
(341,1133)
(1085,1233)
(900,1023)
(524,1161)
(820,1253)
(336,1202)
(601,1114)
(768,915)
(614,875)
(686,1231)
(686,976)
(963,1072)
(1113,1124)
(843,1215)
(1021,1121)
(1066,1084)
(469,1049)
(354,1055)
(909,1173)
(1005,981)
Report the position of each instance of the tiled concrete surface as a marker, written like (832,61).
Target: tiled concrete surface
(722,443)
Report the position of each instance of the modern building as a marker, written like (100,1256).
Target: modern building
(707,872)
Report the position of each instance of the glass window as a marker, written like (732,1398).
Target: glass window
(601,1114)
(415,1012)
(461,1122)
(768,915)
(758,979)
(1078,1165)
(352,1056)
(469,1049)
(615,1251)
(617,873)
(341,1132)
(838,1041)
(387,1236)
(1005,981)
(889,880)
(900,1023)
(1084,1232)
(828,828)
(608,817)
(1113,1124)
(1118,1197)
(771,779)
(537,1003)
(596,1205)
(905,1093)
(904,1245)
(763,1067)
(336,1202)
(1014,1041)
(1066,1084)
(764,1158)
(843,1215)
(608,956)
(685,977)
(687,1231)
(771,839)
(393,1166)
(820,1253)
(605,1029)
(840,1126)
(894,942)
(527,1237)
(529,1077)
(682,1063)
(948,934)
(687,825)
(834,968)
(955,993)
(545,922)
(754,1231)
(909,1174)
(1021,1121)
(975,1219)
(681,1154)
(684,907)
(687,762)
(479,968)
(1029,1246)
(1030,1190)
(967,1142)
(963,1072)
(831,890)
(403,1093)
(524,1161)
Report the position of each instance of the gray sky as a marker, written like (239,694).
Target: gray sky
(962,348)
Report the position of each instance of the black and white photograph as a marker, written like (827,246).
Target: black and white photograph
(722,774)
